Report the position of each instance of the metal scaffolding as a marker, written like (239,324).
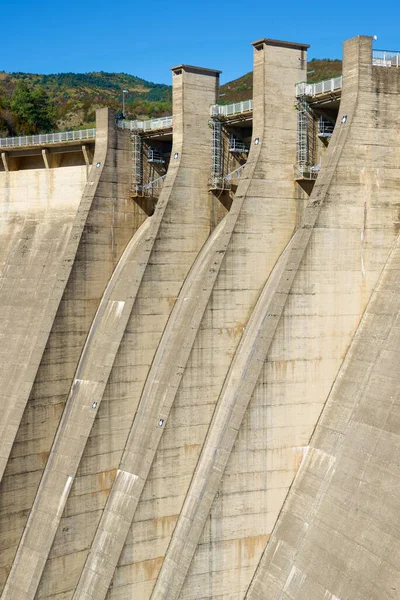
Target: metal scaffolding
(302,134)
(325,127)
(137,166)
(306,136)
(216,162)
(155,156)
(236,146)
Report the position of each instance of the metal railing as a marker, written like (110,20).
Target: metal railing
(322,87)
(150,125)
(236,174)
(237,146)
(155,156)
(380,58)
(307,171)
(325,127)
(151,188)
(228,110)
(225,182)
(386,58)
(48,138)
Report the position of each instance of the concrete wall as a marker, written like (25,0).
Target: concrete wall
(266,207)
(177,230)
(337,536)
(106,217)
(177,364)
(348,248)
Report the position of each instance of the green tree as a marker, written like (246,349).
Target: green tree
(32,110)
(44,111)
(4,128)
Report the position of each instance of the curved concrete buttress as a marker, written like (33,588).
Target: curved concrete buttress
(44,212)
(156,400)
(146,556)
(86,393)
(337,536)
(270,211)
(240,383)
(184,228)
(77,420)
(350,244)
(109,225)
(159,392)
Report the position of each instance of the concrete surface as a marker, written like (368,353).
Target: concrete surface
(163,375)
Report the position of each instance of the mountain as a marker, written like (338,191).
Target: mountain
(77,95)
(72,98)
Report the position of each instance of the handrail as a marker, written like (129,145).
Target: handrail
(149,125)
(321,87)
(236,174)
(47,138)
(307,171)
(147,188)
(227,110)
(156,183)
(380,58)
(386,58)
(224,182)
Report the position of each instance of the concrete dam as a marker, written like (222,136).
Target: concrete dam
(200,336)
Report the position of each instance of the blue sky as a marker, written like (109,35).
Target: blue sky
(147,37)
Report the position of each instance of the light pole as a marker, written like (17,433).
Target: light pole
(123,101)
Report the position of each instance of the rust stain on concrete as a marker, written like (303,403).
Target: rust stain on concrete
(148,569)
(165,525)
(253,545)
(106,479)
(43,457)
(233,332)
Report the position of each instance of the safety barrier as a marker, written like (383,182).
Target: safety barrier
(48,138)
(228,110)
(152,188)
(321,87)
(306,171)
(149,125)
(386,58)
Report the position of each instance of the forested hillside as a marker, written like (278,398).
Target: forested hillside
(72,98)
(31,103)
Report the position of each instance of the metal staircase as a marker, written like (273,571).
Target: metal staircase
(137,166)
(216,161)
